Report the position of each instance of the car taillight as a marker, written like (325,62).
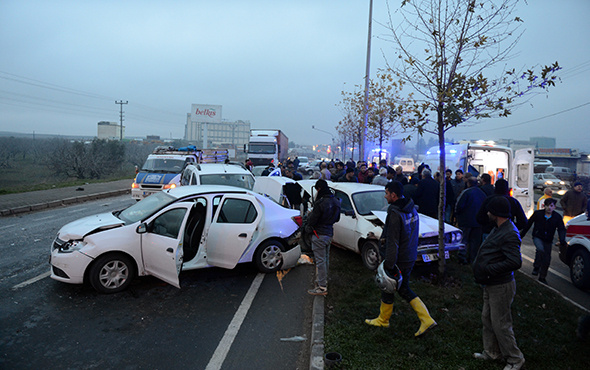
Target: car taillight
(511,192)
(298,220)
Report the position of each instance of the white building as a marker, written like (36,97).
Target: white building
(110,130)
(206,129)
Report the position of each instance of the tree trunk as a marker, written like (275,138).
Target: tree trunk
(442,193)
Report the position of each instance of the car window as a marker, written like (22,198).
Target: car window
(245,181)
(186,177)
(368,201)
(237,211)
(345,203)
(168,223)
(145,208)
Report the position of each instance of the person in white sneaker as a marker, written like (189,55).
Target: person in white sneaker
(493,268)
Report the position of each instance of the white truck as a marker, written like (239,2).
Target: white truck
(497,161)
(163,168)
(267,146)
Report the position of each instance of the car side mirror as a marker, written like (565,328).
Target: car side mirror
(142,228)
(349,213)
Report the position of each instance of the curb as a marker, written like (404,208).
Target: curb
(58,203)
(316,361)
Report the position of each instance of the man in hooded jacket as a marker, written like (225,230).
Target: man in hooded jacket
(325,213)
(399,246)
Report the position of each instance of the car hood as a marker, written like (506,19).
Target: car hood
(428,226)
(80,228)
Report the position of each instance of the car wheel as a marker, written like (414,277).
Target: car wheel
(370,255)
(112,273)
(268,256)
(310,172)
(580,269)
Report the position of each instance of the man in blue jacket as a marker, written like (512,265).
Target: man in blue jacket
(493,268)
(399,246)
(468,204)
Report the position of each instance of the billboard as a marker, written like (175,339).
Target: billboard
(206,113)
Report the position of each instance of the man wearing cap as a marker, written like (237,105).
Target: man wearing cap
(399,246)
(546,222)
(573,202)
(493,268)
(326,212)
(349,176)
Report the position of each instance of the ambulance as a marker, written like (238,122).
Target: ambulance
(499,162)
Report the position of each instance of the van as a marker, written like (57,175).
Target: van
(563,173)
(406,163)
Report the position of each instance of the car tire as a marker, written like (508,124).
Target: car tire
(580,269)
(370,255)
(268,256)
(112,273)
(310,172)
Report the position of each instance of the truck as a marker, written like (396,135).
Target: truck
(498,161)
(267,146)
(163,168)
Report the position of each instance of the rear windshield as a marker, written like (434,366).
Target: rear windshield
(244,181)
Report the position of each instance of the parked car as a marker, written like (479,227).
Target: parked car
(576,253)
(312,166)
(364,210)
(547,180)
(217,174)
(563,173)
(189,227)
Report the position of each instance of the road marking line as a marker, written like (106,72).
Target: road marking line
(557,273)
(234,326)
(31,281)
(7,226)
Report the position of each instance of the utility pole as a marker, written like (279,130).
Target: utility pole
(363,135)
(121,102)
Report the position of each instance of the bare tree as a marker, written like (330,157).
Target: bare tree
(453,53)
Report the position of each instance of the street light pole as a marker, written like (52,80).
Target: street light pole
(121,102)
(367,75)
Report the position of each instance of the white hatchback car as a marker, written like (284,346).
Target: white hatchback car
(364,210)
(576,253)
(190,227)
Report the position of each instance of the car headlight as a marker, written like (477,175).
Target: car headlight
(71,246)
(549,182)
(562,183)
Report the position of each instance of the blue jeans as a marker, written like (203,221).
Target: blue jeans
(321,254)
(496,316)
(404,290)
(542,256)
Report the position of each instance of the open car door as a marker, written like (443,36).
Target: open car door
(161,242)
(521,179)
(230,234)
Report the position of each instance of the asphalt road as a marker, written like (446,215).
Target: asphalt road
(219,319)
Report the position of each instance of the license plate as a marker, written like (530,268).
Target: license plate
(433,257)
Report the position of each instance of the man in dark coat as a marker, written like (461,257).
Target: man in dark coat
(486,184)
(493,268)
(468,205)
(427,195)
(517,215)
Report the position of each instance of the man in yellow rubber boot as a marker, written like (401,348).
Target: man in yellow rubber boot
(399,246)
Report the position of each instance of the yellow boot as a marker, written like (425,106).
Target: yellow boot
(426,322)
(383,319)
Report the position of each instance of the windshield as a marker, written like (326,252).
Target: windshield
(145,208)
(240,180)
(163,165)
(260,148)
(368,201)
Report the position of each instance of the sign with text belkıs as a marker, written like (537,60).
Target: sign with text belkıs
(203,113)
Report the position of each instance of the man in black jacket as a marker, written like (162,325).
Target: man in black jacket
(427,195)
(493,268)
(517,215)
(325,213)
(546,222)
(399,247)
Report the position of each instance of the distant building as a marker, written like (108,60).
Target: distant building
(544,142)
(206,129)
(516,144)
(109,130)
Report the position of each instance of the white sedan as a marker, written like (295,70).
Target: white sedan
(364,209)
(190,227)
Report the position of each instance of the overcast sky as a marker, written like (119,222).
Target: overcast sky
(278,64)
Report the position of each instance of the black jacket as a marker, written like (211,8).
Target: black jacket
(498,256)
(427,197)
(325,213)
(545,227)
(399,240)
(518,216)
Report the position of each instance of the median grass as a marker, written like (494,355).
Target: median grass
(544,323)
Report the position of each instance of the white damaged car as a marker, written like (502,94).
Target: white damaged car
(189,227)
(364,209)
